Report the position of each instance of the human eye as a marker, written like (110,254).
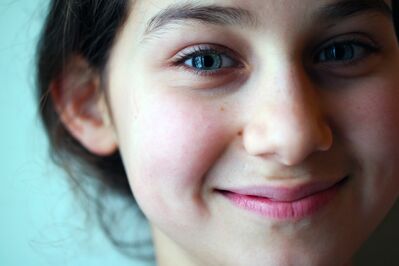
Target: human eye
(207,60)
(347,55)
(344,52)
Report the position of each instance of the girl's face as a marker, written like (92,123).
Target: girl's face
(258,132)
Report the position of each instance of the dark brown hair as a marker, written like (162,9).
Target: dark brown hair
(86,28)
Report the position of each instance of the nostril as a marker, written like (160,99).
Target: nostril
(326,138)
(256,141)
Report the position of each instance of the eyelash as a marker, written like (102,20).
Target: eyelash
(181,59)
(191,53)
(353,43)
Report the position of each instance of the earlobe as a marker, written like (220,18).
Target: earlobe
(82,107)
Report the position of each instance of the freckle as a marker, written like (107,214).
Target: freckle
(222,109)
(239,133)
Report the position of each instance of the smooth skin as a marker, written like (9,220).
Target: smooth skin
(296,98)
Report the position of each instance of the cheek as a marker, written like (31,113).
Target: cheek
(379,148)
(367,118)
(173,142)
(370,129)
(376,125)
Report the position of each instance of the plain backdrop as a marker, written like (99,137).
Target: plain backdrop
(40,221)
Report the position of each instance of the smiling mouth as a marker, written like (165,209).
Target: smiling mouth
(283,203)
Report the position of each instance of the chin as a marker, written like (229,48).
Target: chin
(288,258)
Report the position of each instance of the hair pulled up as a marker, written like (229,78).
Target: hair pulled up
(85,28)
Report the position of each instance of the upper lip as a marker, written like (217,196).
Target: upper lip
(283,193)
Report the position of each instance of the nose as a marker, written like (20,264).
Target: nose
(289,125)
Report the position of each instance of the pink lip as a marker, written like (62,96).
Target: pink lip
(283,203)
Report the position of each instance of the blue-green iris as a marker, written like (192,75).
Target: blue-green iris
(207,62)
(338,52)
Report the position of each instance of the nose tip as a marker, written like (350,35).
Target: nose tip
(288,119)
(290,140)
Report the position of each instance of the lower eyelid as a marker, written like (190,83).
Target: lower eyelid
(225,71)
(210,73)
(351,69)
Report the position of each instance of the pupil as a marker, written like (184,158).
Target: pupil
(207,62)
(341,52)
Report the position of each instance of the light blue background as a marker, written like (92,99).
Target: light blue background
(40,221)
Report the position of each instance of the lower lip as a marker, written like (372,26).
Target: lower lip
(283,210)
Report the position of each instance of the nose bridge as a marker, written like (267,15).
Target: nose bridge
(289,122)
(297,103)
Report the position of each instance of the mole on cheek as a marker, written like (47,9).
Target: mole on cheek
(221,109)
(239,133)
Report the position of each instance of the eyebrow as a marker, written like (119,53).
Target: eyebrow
(347,8)
(211,14)
(221,15)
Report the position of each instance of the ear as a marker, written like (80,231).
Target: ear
(82,107)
